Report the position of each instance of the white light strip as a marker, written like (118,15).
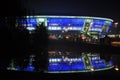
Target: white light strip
(79,70)
(60,28)
(84,17)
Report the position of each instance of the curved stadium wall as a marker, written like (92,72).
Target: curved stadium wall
(69,23)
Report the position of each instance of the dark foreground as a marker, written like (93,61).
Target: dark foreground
(78,47)
(12,75)
(100,75)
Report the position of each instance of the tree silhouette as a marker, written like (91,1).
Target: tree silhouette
(40,45)
(13,41)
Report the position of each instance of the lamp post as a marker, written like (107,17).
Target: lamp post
(116,28)
(116,24)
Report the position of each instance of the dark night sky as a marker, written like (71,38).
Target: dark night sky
(97,8)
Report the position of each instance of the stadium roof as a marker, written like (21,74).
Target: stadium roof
(88,17)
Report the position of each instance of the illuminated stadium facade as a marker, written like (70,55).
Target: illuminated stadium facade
(68,23)
(85,63)
(68,26)
(59,62)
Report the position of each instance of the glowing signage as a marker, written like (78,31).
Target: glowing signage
(65,23)
(54,28)
(64,28)
(30,28)
(97,25)
(27,22)
(107,26)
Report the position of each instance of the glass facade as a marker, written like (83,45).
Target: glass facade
(84,24)
(65,23)
(28,23)
(82,63)
(97,25)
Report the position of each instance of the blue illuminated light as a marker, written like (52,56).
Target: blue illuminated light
(98,64)
(97,25)
(111,63)
(30,68)
(30,28)
(27,22)
(69,23)
(63,65)
(76,64)
(109,25)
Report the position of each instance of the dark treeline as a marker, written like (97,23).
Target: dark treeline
(16,42)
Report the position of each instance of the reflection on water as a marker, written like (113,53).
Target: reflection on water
(84,62)
(62,62)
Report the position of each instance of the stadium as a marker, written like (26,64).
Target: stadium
(71,23)
(86,62)
(65,62)
(69,27)
(65,56)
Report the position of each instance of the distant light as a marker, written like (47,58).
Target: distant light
(116,23)
(54,24)
(65,29)
(30,32)
(88,20)
(62,31)
(69,24)
(67,37)
(41,19)
(54,28)
(92,69)
(30,68)
(30,28)
(11,68)
(116,68)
